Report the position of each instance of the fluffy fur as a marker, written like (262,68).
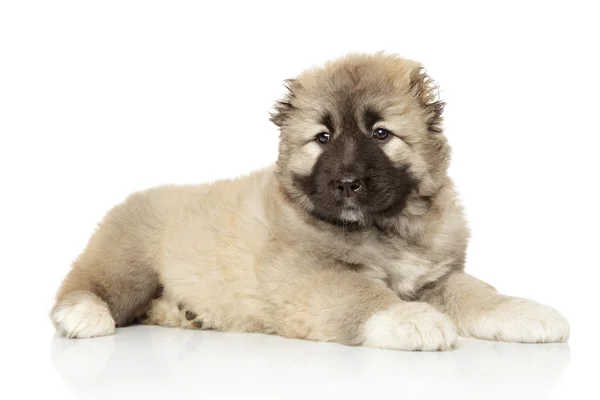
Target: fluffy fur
(290,250)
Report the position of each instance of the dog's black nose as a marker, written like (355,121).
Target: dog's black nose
(348,185)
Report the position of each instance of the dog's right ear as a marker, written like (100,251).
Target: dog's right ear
(285,106)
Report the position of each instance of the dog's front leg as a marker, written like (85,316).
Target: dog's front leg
(479,311)
(346,307)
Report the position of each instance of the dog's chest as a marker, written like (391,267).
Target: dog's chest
(402,269)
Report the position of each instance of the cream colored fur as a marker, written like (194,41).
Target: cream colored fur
(410,326)
(82,314)
(245,254)
(479,311)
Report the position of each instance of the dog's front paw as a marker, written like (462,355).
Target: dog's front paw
(520,320)
(410,326)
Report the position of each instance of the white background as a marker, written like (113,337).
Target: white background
(99,99)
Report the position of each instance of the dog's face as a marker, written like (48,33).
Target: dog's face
(360,139)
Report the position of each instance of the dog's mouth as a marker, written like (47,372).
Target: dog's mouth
(347,214)
(351,214)
(359,210)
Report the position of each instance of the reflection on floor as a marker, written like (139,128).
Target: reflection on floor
(159,362)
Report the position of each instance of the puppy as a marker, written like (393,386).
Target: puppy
(354,236)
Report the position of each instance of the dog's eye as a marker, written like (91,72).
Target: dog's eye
(381,134)
(323,137)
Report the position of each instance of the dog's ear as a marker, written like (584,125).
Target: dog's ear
(425,90)
(284,107)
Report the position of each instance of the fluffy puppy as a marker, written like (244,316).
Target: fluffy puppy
(354,236)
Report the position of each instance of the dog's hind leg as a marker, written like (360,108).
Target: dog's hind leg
(114,281)
(91,303)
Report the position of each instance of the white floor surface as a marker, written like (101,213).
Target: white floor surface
(154,362)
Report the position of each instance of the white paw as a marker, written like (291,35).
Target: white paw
(410,326)
(82,314)
(521,320)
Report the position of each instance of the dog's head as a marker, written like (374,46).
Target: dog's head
(361,139)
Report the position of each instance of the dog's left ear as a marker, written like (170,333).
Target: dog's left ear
(425,90)
(285,107)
